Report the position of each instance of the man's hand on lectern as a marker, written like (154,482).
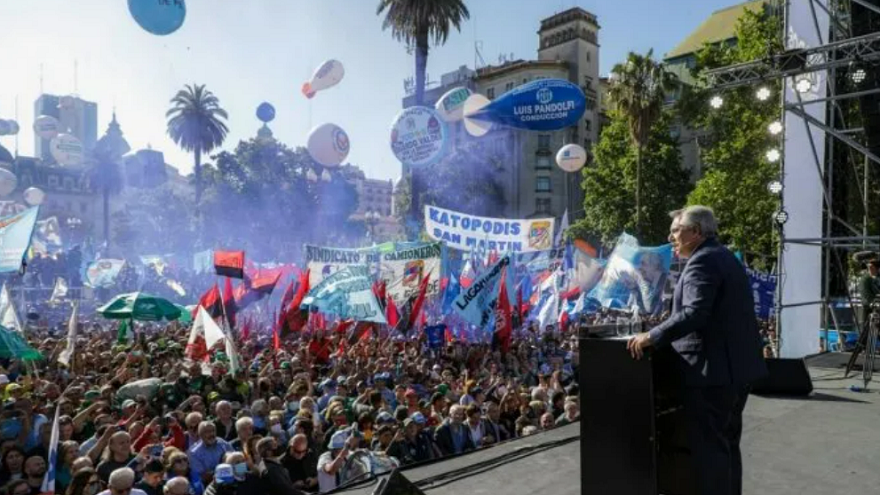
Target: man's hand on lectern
(637,345)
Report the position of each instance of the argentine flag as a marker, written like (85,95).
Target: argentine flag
(48,487)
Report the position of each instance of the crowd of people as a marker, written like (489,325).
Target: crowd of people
(137,417)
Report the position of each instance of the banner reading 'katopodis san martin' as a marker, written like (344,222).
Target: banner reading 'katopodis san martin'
(402,268)
(470,232)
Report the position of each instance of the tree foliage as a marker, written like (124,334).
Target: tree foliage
(735,169)
(609,183)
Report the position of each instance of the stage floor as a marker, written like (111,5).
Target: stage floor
(827,443)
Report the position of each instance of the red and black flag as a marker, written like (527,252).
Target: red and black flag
(503,317)
(211,301)
(229,307)
(229,263)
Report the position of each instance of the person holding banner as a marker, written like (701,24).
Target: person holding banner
(714,333)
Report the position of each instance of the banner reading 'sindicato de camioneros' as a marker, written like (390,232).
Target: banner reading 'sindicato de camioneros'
(469,232)
(402,269)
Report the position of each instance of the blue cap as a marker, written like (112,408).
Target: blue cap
(384,417)
(419,418)
(224,474)
(328,383)
(337,441)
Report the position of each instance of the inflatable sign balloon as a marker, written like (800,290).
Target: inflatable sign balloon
(266,112)
(450,106)
(7,182)
(472,105)
(328,145)
(571,157)
(326,76)
(66,149)
(34,196)
(8,127)
(159,17)
(542,105)
(418,136)
(46,126)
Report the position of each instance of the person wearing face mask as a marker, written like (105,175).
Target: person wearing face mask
(234,478)
(714,334)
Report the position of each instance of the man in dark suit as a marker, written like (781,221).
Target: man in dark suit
(714,334)
(453,436)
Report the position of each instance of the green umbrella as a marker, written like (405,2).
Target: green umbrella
(139,306)
(185,315)
(13,345)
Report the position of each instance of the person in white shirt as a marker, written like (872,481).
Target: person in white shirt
(330,463)
(121,483)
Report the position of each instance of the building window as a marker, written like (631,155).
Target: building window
(490,93)
(83,207)
(508,86)
(591,103)
(588,56)
(588,125)
(588,143)
(542,206)
(542,163)
(525,80)
(588,83)
(544,141)
(53,181)
(542,184)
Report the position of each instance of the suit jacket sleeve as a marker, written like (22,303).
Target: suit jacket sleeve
(699,288)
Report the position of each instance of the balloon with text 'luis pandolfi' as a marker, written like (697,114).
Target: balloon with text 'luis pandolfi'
(46,126)
(159,17)
(328,145)
(571,157)
(450,106)
(326,76)
(542,105)
(418,136)
(34,196)
(8,182)
(66,150)
(266,112)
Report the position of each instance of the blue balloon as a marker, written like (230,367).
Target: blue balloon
(266,112)
(159,17)
(542,105)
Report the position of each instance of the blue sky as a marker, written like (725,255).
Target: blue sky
(263,50)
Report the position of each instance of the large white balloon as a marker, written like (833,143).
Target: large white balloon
(46,126)
(34,196)
(328,145)
(7,182)
(66,149)
(472,105)
(450,106)
(418,136)
(326,76)
(571,157)
(8,128)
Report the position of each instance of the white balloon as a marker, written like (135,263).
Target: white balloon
(418,136)
(66,149)
(7,182)
(328,145)
(571,157)
(34,196)
(473,104)
(450,106)
(8,128)
(326,76)
(46,126)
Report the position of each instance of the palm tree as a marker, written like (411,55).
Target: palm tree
(638,90)
(416,23)
(195,123)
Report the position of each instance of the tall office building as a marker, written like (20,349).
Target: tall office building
(77,117)
(533,185)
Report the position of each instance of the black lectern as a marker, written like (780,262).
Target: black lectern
(632,427)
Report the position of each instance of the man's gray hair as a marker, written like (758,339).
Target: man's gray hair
(240,423)
(175,483)
(701,217)
(205,425)
(121,479)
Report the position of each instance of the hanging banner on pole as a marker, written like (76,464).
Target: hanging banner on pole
(401,268)
(477,303)
(763,292)
(470,232)
(16,232)
(347,293)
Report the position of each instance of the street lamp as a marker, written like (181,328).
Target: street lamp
(775,187)
(372,218)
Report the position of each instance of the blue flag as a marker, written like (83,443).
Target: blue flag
(477,303)
(16,232)
(453,287)
(435,334)
(763,292)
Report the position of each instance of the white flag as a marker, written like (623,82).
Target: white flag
(206,326)
(66,354)
(231,352)
(549,313)
(563,226)
(8,316)
(60,290)
(48,485)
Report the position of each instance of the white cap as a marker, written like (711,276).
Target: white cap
(4,379)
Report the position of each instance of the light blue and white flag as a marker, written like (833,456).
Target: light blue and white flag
(347,293)
(16,232)
(48,486)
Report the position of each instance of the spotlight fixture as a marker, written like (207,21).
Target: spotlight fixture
(803,85)
(774,186)
(858,76)
(773,155)
(716,102)
(775,127)
(780,217)
(763,94)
